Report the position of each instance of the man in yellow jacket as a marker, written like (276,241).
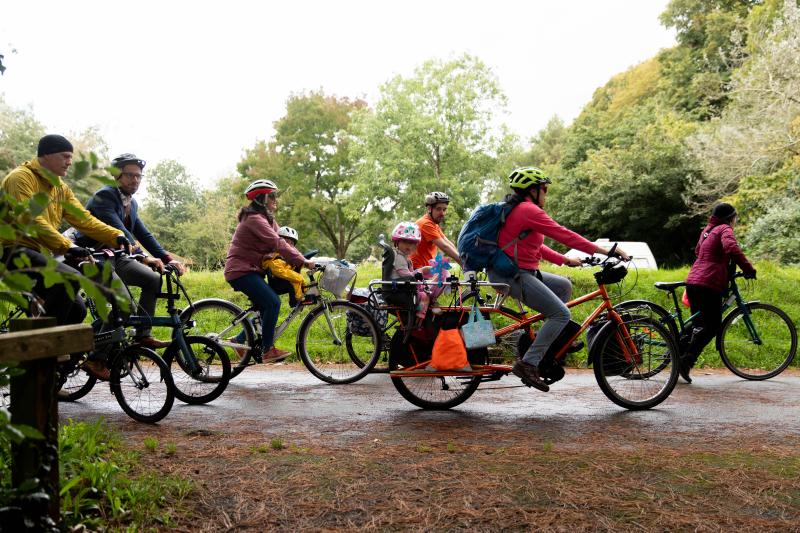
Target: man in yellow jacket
(54,157)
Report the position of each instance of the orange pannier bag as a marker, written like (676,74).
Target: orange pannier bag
(449,352)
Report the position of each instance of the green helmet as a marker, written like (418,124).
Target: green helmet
(526,177)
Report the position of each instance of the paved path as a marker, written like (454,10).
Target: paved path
(287,400)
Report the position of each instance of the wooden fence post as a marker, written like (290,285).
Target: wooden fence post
(34,402)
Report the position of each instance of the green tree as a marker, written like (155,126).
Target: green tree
(19,135)
(434,131)
(171,194)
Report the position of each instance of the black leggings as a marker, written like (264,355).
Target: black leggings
(705,327)
(57,302)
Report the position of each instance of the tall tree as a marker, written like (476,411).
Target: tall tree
(19,134)
(171,193)
(310,160)
(434,131)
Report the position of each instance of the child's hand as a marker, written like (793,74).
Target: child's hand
(425,269)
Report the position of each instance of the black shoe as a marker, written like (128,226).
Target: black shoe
(529,375)
(575,347)
(684,372)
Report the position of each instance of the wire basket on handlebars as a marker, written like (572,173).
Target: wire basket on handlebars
(336,277)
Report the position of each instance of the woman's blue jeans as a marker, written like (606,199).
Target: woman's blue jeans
(264,298)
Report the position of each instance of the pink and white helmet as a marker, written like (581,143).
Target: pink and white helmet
(406,231)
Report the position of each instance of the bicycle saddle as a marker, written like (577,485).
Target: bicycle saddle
(669,285)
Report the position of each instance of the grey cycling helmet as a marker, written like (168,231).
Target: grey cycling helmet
(436,197)
(127,158)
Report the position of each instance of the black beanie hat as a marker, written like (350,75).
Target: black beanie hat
(723,211)
(53,144)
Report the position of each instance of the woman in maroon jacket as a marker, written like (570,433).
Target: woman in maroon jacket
(708,280)
(257,235)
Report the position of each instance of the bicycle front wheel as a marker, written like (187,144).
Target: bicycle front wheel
(217,320)
(142,385)
(328,347)
(635,362)
(757,344)
(201,374)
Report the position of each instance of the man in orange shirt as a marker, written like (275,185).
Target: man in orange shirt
(436,204)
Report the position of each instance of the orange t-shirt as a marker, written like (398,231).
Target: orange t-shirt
(426,250)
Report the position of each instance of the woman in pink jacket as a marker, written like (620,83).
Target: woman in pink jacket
(708,279)
(541,291)
(256,235)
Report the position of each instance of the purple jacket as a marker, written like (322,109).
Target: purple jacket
(715,248)
(253,239)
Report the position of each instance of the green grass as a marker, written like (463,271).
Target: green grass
(775,285)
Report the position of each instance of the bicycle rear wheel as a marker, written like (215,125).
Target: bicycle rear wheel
(328,347)
(142,385)
(206,377)
(759,344)
(216,319)
(74,382)
(648,376)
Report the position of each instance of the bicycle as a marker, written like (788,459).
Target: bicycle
(327,342)
(199,368)
(633,356)
(756,341)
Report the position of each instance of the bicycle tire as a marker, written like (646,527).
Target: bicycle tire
(142,384)
(433,393)
(212,362)
(214,318)
(744,357)
(342,363)
(73,382)
(653,310)
(634,385)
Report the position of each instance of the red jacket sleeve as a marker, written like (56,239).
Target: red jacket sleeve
(731,248)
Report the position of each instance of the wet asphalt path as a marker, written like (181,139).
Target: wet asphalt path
(289,401)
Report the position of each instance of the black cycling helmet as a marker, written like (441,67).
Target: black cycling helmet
(124,159)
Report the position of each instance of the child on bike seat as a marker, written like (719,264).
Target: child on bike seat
(397,267)
(278,269)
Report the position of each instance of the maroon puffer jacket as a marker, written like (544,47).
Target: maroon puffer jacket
(255,237)
(716,247)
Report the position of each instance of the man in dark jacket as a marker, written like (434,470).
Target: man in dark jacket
(116,207)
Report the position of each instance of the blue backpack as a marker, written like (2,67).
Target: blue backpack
(477,241)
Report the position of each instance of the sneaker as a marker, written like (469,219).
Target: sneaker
(529,375)
(97,369)
(274,355)
(151,342)
(683,369)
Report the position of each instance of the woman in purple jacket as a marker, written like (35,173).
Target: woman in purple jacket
(708,278)
(257,235)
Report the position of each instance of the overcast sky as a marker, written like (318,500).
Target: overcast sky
(199,82)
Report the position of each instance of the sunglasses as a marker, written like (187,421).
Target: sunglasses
(272,196)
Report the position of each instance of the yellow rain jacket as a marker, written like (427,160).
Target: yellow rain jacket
(28,179)
(281,270)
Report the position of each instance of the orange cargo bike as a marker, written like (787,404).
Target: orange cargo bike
(634,357)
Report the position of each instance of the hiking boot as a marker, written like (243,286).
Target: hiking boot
(529,375)
(97,369)
(275,355)
(151,342)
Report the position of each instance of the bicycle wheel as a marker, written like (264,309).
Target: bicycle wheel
(653,311)
(142,385)
(322,342)
(216,319)
(647,379)
(73,382)
(204,380)
(436,392)
(763,351)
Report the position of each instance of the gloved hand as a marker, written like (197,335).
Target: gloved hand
(124,243)
(76,252)
(750,274)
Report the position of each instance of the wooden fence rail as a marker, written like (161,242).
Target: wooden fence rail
(36,343)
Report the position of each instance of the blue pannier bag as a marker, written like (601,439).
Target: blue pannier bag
(477,241)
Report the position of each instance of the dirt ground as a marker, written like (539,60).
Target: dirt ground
(281,451)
